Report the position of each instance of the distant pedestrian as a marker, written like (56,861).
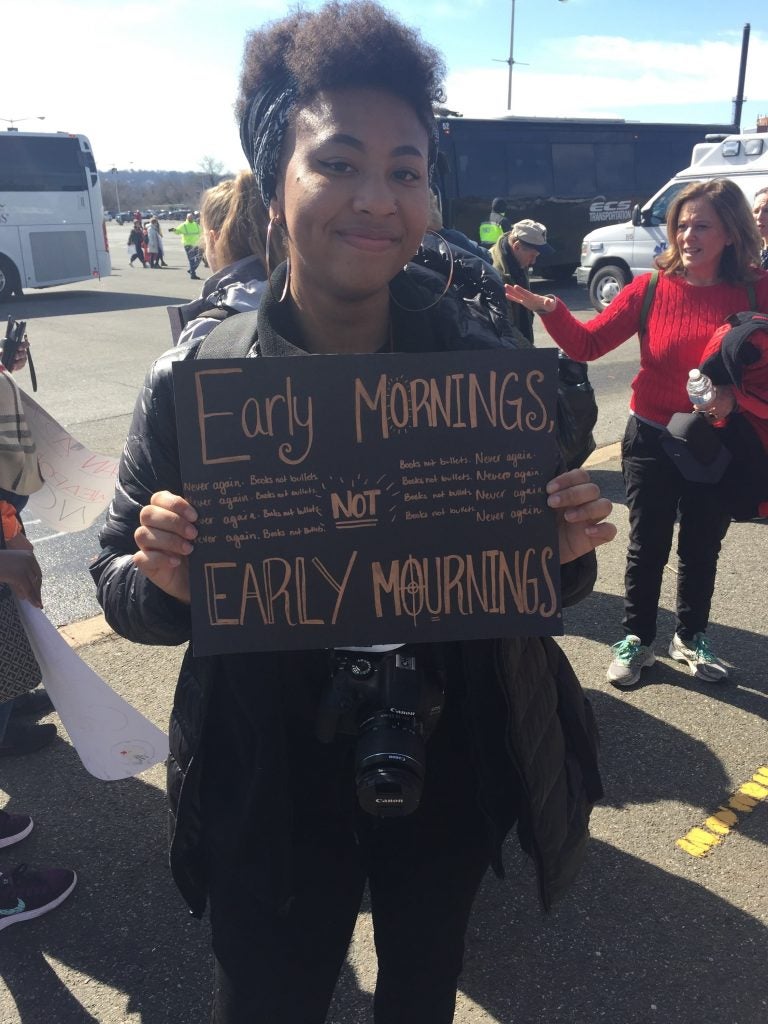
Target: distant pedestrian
(153,243)
(136,239)
(190,236)
(161,251)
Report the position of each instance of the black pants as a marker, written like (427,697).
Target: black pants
(656,494)
(280,966)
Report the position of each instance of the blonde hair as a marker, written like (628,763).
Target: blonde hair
(739,259)
(234,210)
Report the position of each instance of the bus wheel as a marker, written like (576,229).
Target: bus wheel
(605,285)
(9,279)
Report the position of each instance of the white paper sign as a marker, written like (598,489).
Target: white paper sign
(79,484)
(111,738)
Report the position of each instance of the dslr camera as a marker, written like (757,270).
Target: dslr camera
(15,337)
(392,706)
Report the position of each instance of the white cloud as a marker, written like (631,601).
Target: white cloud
(615,77)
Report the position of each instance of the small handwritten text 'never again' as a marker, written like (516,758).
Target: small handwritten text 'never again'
(466,400)
(305,591)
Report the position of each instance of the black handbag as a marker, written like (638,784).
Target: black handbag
(577,411)
(19,669)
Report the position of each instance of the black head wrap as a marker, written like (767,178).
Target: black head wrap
(263,127)
(262,131)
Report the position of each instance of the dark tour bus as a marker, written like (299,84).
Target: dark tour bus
(572,175)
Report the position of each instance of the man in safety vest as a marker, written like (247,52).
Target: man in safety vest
(190,237)
(491,230)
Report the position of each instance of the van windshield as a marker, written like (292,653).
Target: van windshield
(656,213)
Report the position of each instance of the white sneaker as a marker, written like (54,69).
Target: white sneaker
(699,657)
(631,656)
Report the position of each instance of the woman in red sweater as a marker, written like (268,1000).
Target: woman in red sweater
(709,271)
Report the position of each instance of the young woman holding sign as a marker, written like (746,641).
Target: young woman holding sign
(336,120)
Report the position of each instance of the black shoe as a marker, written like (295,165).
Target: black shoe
(163,263)
(36,702)
(194,277)
(21,738)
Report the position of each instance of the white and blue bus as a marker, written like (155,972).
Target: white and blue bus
(52,228)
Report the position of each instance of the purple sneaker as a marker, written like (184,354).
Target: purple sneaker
(26,892)
(14,828)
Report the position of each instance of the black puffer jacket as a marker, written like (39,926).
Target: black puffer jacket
(532,731)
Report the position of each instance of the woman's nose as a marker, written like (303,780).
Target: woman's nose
(375,195)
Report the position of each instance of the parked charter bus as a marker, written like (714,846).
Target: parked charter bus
(52,228)
(572,175)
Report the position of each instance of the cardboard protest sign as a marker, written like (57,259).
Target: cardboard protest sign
(370,499)
(79,484)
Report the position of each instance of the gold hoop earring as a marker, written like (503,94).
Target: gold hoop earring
(270,226)
(448,283)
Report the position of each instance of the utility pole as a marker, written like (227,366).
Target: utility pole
(117,194)
(511,59)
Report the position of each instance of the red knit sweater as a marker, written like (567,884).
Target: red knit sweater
(682,319)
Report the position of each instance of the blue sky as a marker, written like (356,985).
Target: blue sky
(152,81)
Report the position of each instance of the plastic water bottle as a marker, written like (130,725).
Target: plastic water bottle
(701,391)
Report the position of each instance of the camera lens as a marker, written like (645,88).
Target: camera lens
(389,763)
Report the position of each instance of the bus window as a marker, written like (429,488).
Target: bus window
(530,169)
(40,165)
(616,168)
(573,165)
(482,167)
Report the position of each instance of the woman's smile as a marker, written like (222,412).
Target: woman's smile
(369,239)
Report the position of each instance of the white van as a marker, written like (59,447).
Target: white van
(613,255)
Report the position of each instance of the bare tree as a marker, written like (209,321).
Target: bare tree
(212,170)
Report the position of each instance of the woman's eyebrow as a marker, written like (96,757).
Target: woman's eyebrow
(354,143)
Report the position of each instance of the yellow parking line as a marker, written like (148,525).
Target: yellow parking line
(699,841)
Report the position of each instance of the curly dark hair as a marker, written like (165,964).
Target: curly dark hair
(342,45)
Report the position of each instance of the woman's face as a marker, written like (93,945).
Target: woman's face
(760,211)
(354,195)
(701,237)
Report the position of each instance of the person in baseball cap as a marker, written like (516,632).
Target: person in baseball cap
(533,235)
(513,256)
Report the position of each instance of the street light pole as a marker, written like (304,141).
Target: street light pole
(117,194)
(17,120)
(511,59)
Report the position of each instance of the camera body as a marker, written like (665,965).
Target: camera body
(392,706)
(14,337)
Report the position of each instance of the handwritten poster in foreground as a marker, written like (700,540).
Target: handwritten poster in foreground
(369,499)
(79,484)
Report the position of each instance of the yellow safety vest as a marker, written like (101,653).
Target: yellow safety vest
(490,232)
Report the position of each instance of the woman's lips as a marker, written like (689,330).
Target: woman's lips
(368,242)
